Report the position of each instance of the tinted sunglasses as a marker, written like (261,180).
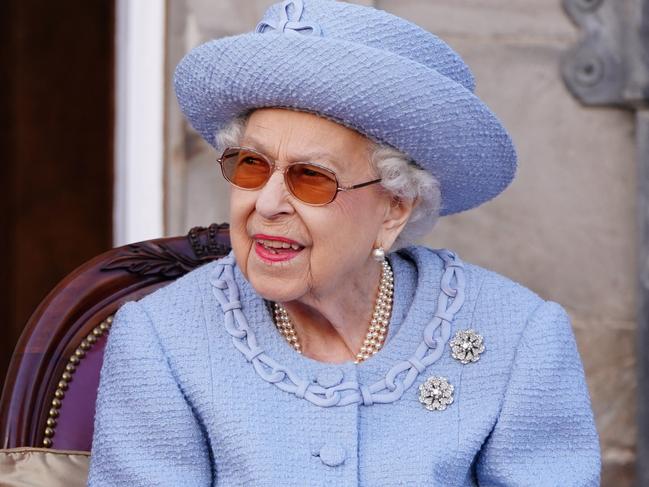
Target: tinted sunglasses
(309,182)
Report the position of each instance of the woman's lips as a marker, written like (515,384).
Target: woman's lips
(276,238)
(273,255)
(276,249)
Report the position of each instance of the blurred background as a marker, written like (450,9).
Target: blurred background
(96,154)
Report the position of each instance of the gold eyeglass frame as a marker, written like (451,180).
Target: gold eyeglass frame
(273,167)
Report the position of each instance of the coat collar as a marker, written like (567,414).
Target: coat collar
(418,274)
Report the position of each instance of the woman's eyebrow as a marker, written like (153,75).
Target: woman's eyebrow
(315,156)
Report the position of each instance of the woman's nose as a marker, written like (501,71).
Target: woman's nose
(273,198)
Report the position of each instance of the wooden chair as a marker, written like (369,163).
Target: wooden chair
(49,395)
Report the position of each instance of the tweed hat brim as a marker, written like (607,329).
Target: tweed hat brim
(442,126)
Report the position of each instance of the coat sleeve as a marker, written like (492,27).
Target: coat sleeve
(146,433)
(545,434)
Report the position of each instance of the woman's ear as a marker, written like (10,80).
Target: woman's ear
(396,216)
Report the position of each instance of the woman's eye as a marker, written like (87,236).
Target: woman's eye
(313,173)
(310,172)
(251,161)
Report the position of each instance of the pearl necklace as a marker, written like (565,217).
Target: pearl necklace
(378,329)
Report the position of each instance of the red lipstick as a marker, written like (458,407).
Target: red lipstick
(270,253)
(261,236)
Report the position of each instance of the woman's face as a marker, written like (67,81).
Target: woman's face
(327,245)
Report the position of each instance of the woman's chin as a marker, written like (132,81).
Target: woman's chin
(276,292)
(278,280)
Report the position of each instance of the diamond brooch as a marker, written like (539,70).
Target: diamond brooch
(436,394)
(466,346)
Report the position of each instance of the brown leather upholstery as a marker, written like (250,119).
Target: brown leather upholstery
(49,395)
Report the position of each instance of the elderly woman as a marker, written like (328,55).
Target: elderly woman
(326,350)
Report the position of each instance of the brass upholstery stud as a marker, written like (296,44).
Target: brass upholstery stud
(67,375)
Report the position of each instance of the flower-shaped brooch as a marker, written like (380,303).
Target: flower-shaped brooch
(436,393)
(466,346)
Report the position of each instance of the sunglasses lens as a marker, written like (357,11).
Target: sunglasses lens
(311,184)
(245,169)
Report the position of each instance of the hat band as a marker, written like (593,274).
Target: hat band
(289,23)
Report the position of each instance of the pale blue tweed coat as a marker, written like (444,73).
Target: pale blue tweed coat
(182,402)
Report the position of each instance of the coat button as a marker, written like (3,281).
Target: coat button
(332,455)
(330,377)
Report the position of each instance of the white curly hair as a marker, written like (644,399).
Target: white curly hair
(399,176)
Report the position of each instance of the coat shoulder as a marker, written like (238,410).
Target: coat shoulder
(501,306)
(180,294)
(501,291)
(176,310)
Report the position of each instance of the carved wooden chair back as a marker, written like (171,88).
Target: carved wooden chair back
(49,395)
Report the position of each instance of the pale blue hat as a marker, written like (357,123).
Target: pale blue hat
(366,69)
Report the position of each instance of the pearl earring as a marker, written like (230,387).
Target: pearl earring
(378,254)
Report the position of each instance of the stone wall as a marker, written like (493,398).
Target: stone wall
(565,228)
